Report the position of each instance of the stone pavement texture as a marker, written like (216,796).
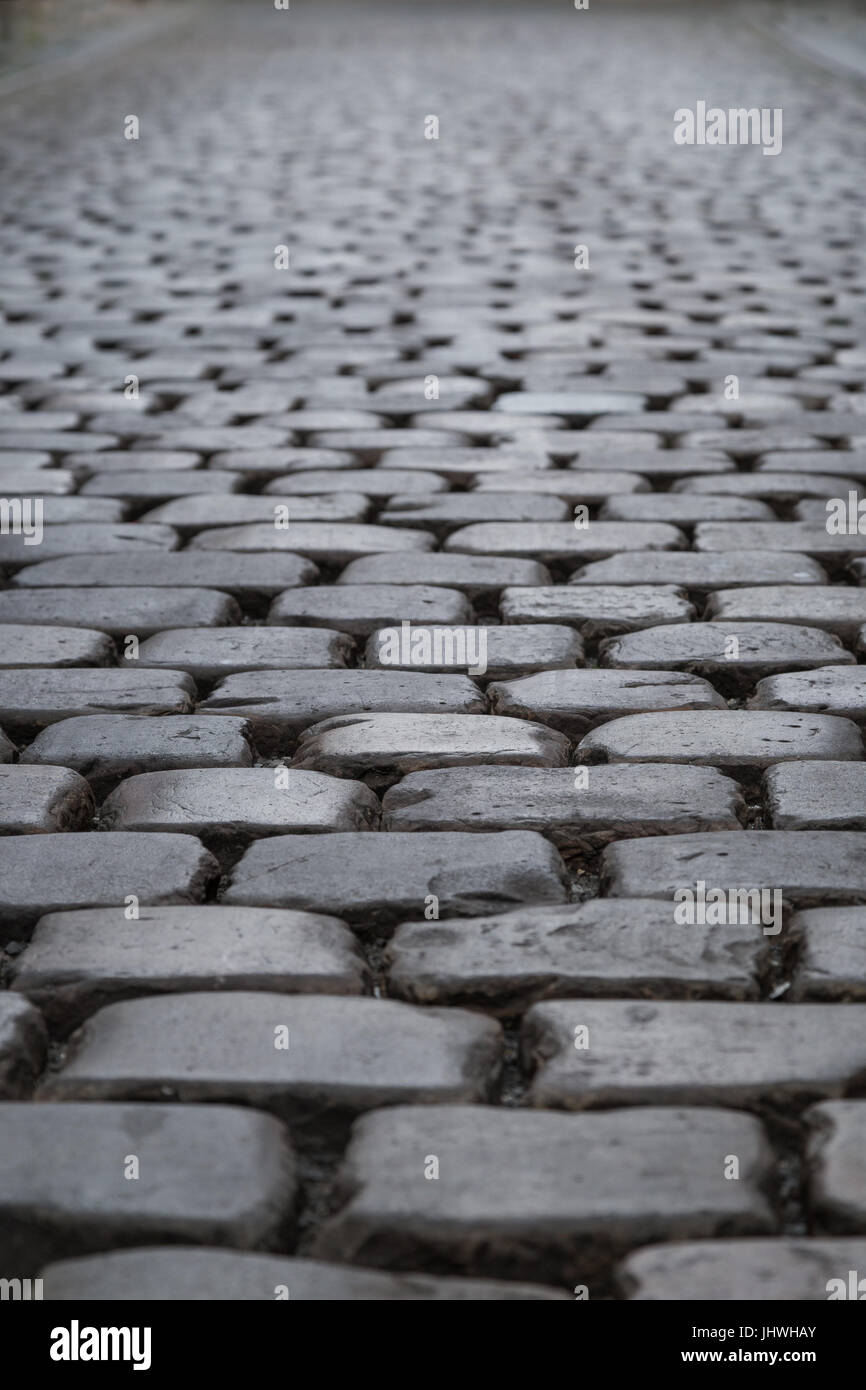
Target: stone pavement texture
(432,794)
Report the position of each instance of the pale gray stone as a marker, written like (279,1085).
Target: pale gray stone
(575,701)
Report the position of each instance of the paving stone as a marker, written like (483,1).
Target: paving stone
(686,1053)
(78,961)
(37,697)
(127,460)
(57,511)
(783,487)
(22,646)
(278,709)
(597,610)
(495,652)
(41,800)
(116,611)
(236,574)
(584,404)
(748,444)
(702,573)
(368,482)
(179,1273)
(238,803)
(600,948)
(682,510)
(831,961)
(446,513)
(835,1165)
(803,796)
(209,1174)
(329,544)
(384,878)
(21,482)
(730,738)
(360,609)
(368,445)
(832,871)
(613,802)
(343,1055)
(22,1046)
(141,485)
(474,574)
(505,466)
(806,537)
(643,1175)
(380,748)
(49,873)
(268,462)
(851,463)
(83,539)
(555,540)
(190,514)
(838,690)
(585,486)
(106,747)
(575,701)
(784,1269)
(661,464)
(209,654)
(834,608)
(760,648)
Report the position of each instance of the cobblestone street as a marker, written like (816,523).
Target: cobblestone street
(422,634)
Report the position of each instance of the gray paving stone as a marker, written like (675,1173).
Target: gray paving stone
(278,709)
(807,796)
(643,1175)
(236,574)
(584,404)
(259,463)
(702,573)
(784,486)
(601,948)
(212,653)
(833,870)
(805,537)
(494,652)
(28,482)
(209,1174)
(345,1054)
(127,460)
(839,690)
(614,802)
(106,747)
(22,1046)
(76,962)
(37,697)
(384,878)
(141,485)
(761,648)
(445,513)
(834,608)
(368,445)
(366,482)
(381,748)
(560,540)
(729,738)
(748,444)
(183,1274)
(190,514)
(42,800)
(655,463)
(585,486)
(118,611)
(237,803)
(50,873)
(835,1164)
(682,510)
(22,646)
(58,511)
(474,574)
(84,539)
(687,1053)
(334,544)
(784,1269)
(597,610)
(360,609)
(575,701)
(850,462)
(505,466)
(831,962)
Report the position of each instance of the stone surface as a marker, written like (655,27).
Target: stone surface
(218,1175)
(642,1175)
(360,609)
(597,610)
(685,1053)
(239,802)
(117,611)
(701,574)
(474,574)
(213,653)
(560,540)
(722,738)
(42,800)
(236,574)
(758,648)
(384,878)
(796,1270)
(338,1055)
(22,1046)
(575,814)
(21,647)
(76,962)
(601,948)
(833,608)
(836,690)
(575,701)
(42,873)
(37,697)
(831,961)
(807,796)
(494,652)
(835,1166)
